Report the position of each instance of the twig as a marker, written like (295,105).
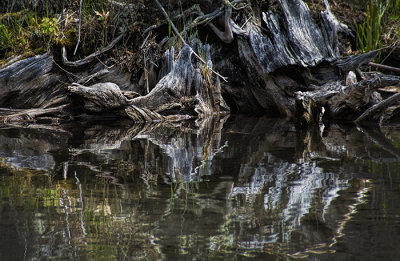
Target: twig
(384,67)
(122,5)
(377,107)
(90,77)
(202,19)
(183,40)
(144,42)
(169,20)
(234,3)
(89,58)
(146,73)
(245,23)
(195,9)
(61,20)
(79,26)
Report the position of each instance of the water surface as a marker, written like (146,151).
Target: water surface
(230,189)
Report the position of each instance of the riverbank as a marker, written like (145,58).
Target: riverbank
(168,61)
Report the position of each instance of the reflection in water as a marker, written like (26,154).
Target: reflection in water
(211,189)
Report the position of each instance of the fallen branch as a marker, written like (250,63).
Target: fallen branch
(30,115)
(90,77)
(378,107)
(91,57)
(342,102)
(79,26)
(202,19)
(353,63)
(384,67)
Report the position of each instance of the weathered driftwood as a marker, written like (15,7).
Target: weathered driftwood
(30,83)
(384,67)
(45,116)
(353,63)
(286,43)
(286,65)
(354,98)
(101,96)
(35,91)
(330,29)
(336,101)
(188,89)
(185,91)
(293,39)
(182,39)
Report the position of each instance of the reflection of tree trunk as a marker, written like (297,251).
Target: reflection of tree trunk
(281,183)
(82,207)
(188,148)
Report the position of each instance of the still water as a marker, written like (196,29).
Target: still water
(220,189)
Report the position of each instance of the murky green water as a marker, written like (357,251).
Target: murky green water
(232,189)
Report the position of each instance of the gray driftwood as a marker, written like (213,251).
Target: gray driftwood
(335,101)
(280,63)
(378,108)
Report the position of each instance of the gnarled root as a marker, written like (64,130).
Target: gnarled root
(187,90)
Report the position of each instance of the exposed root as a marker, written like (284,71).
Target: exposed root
(91,57)
(139,115)
(227,35)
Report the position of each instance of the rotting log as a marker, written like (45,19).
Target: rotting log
(27,83)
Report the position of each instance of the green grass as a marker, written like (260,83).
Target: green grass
(5,36)
(24,32)
(370,35)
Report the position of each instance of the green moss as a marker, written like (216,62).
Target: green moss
(8,16)
(379,30)
(68,39)
(26,33)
